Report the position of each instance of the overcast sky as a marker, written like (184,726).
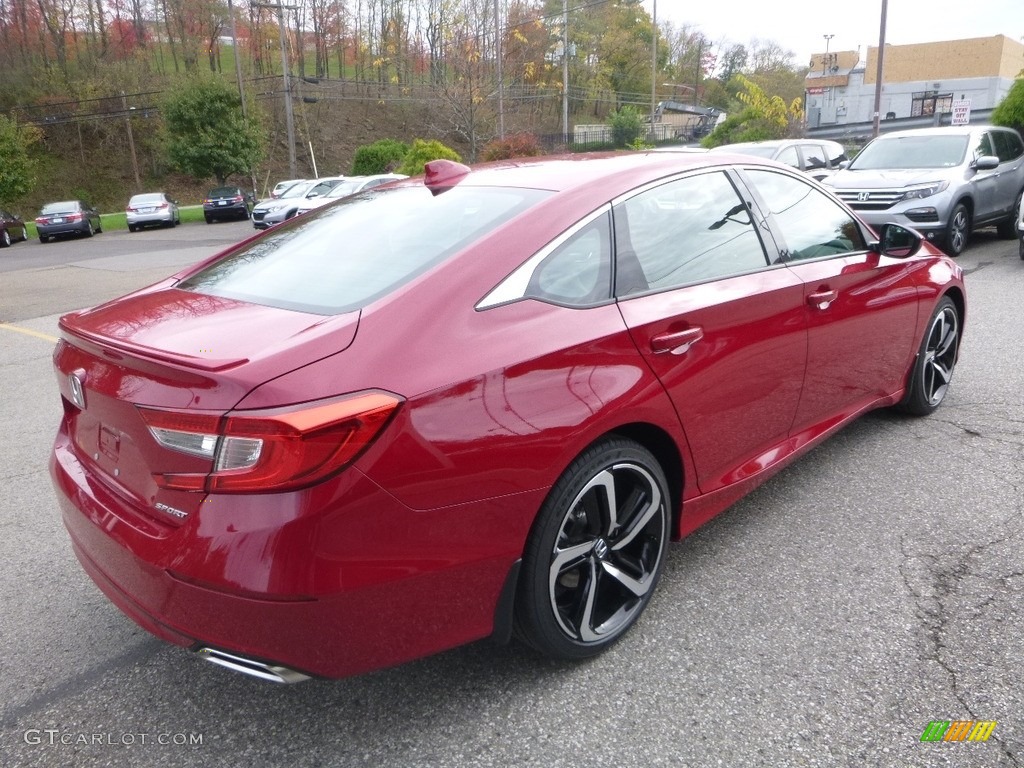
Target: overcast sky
(800,27)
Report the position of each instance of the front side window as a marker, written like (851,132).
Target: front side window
(984,146)
(812,224)
(1007,145)
(814,157)
(342,257)
(686,231)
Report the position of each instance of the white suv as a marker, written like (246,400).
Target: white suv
(944,182)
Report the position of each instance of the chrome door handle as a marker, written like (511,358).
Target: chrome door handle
(822,299)
(678,342)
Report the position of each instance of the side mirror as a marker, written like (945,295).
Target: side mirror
(897,242)
(986,163)
(843,164)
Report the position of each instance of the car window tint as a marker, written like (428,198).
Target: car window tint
(1007,145)
(814,157)
(342,257)
(812,224)
(789,157)
(577,272)
(686,231)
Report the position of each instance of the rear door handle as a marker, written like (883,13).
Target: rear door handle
(677,343)
(822,299)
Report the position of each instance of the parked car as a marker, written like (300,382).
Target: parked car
(1020,228)
(944,182)
(478,401)
(349,186)
(70,217)
(281,186)
(151,208)
(816,157)
(267,213)
(227,203)
(12,229)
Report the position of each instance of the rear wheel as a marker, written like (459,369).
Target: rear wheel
(933,368)
(44,239)
(5,239)
(89,231)
(132,228)
(1020,247)
(1007,228)
(595,552)
(209,219)
(957,230)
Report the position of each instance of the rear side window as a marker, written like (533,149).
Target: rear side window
(789,157)
(346,255)
(1008,146)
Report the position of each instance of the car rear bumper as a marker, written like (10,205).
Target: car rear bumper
(139,219)
(55,230)
(326,590)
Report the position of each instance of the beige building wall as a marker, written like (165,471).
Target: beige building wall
(997,56)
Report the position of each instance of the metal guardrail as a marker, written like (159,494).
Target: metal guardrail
(859,133)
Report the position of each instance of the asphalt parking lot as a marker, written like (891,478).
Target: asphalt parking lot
(825,620)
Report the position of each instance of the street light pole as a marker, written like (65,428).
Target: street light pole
(565,72)
(654,63)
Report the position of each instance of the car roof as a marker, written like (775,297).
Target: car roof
(774,143)
(617,172)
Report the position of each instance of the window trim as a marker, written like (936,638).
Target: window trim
(514,286)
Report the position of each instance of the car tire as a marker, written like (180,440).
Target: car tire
(132,228)
(44,239)
(957,230)
(1007,228)
(89,231)
(1020,248)
(99,228)
(936,358)
(587,574)
(24,235)
(5,239)
(209,219)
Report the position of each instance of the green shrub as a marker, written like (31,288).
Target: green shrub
(422,152)
(382,156)
(626,124)
(1010,111)
(516,145)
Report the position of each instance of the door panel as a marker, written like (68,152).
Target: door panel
(724,332)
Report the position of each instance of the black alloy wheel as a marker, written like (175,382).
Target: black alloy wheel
(933,368)
(595,552)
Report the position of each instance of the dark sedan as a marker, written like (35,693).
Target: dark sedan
(227,203)
(70,217)
(477,403)
(12,229)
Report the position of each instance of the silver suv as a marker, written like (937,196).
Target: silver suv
(944,182)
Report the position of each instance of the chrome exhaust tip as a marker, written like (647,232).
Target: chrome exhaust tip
(270,672)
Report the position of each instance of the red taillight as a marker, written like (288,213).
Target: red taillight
(276,449)
(73,216)
(42,220)
(236,199)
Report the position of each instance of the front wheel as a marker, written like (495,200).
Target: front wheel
(933,368)
(957,230)
(595,552)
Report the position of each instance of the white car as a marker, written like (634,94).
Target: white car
(151,208)
(281,186)
(267,213)
(349,186)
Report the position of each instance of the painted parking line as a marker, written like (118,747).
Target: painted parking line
(29,332)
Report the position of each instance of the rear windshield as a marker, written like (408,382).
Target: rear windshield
(346,255)
(153,197)
(65,207)
(225,192)
(928,151)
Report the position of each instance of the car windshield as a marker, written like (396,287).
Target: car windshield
(928,151)
(154,197)
(346,188)
(65,207)
(345,256)
(298,190)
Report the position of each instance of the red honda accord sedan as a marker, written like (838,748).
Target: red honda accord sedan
(477,402)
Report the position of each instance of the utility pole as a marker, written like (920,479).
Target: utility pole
(501,79)
(565,72)
(875,129)
(131,141)
(654,64)
(238,77)
(288,116)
